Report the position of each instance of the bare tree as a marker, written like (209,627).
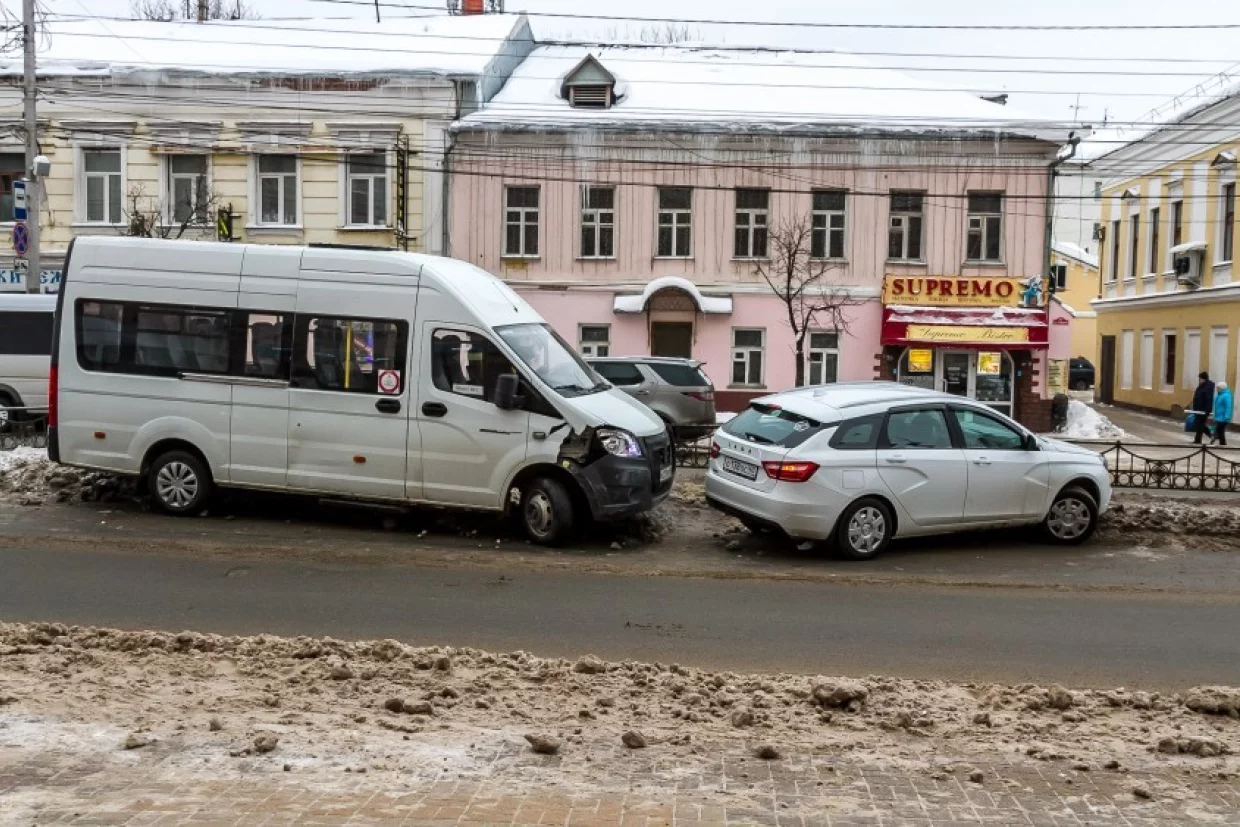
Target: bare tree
(168,10)
(145,217)
(804,284)
(665,35)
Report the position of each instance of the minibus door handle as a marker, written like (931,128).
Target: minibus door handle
(388,406)
(434,408)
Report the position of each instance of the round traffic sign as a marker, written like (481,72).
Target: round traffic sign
(389,382)
(21,238)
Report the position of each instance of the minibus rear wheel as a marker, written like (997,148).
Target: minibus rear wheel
(180,483)
(547,512)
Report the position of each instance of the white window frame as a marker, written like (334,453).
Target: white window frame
(679,219)
(743,353)
(756,218)
(590,350)
(1192,344)
(524,221)
(1218,354)
(1134,246)
(256,189)
(980,222)
(822,353)
(1167,335)
(79,177)
(1147,360)
(346,189)
(1153,236)
(169,179)
(901,219)
(828,230)
(1127,359)
(1222,255)
(593,218)
(1113,266)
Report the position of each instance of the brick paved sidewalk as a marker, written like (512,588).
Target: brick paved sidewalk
(164,785)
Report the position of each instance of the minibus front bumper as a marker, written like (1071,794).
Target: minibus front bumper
(620,487)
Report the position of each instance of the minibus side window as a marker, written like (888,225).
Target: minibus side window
(98,336)
(467,363)
(23,333)
(268,345)
(173,340)
(339,354)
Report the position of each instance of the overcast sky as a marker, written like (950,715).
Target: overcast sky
(1049,88)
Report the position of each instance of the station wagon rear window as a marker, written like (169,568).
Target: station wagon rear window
(768,425)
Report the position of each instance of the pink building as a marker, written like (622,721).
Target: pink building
(631,194)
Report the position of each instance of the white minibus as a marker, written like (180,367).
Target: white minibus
(25,354)
(341,373)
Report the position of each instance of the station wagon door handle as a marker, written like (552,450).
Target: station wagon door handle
(434,409)
(898,459)
(388,406)
(981,461)
(642,393)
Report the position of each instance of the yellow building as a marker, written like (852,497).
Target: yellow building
(1076,292)
(300,132)
(1170,299)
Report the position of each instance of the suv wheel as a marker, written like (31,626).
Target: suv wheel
(1072,517)
(547,512)
(180,483)
(865,529)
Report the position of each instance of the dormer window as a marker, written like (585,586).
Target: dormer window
(589,86)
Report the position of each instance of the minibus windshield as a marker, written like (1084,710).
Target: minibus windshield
(544,352)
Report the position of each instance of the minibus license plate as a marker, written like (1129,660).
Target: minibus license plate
(742,469)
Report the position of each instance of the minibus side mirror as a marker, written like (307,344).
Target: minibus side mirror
(506,387)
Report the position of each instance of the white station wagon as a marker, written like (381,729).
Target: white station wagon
(864,463)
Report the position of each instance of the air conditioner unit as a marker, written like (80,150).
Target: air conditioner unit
(1186,262)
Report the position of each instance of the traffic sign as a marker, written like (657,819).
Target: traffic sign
(19,200)
(21,238)
(21,265)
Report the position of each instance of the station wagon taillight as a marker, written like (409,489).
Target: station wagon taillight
(703,396)
(714,449)
(790,471)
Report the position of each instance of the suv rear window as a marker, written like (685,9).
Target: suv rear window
(772,426)
(618,373)
(681,376)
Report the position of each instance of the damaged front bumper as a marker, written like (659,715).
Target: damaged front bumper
(619,487)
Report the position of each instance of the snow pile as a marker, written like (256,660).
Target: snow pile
(1086,423)
(20,457)
(28,477)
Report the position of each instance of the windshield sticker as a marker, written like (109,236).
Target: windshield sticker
(801,426)
(389,382)
(467,390)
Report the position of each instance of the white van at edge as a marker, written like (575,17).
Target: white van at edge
(342,373)
(25,354)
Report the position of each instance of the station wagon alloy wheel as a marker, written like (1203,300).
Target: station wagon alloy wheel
(1069,519)
(867,529)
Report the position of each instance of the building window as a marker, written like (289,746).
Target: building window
(1177,223)
(751,223)
(1155,218)
(595,340)
(1228,212)
(1168,378)
(277,190)
(1059,277)
(747,347)
(905,228)
(827,222)
(1147,359)
(367,178)
(12,168)
(598,222)
(1127,343)
(675,222)
(1113,270)
(187,189)
(102,170)
(1134,245)
(521,221)
(1192,358)
(985,241)
(823,357)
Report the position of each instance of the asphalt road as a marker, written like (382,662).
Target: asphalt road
(1164,641)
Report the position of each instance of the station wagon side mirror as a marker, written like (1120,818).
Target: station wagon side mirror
(1030,442)
(506,387)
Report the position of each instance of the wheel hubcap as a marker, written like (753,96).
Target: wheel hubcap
(176,484)
(538,514)
(4,415)
(867,529)
(1069,519)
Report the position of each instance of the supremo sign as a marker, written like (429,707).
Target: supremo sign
(952,291)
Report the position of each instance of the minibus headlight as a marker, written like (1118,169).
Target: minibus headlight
(619,443)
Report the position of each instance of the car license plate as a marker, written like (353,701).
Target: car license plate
(665,473)
(742,469)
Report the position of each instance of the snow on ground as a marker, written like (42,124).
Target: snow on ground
(21,456)
(1086,423)
(723,416)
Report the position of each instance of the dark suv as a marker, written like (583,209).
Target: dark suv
(1080,374)
(675,389)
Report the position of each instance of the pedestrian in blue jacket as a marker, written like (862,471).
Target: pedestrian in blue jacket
(1222,413)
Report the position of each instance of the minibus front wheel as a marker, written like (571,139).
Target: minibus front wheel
(547,512)
(180,483)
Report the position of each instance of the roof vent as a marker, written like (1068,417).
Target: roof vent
(590,97)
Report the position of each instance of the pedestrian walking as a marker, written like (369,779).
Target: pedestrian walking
(1222,413)
(1203,403)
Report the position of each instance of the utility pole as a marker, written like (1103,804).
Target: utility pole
(33,185)
(203,10)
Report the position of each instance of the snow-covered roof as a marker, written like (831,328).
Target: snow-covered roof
(721,305)
(702,88)
(1076,251)
(969,316)
(439,46)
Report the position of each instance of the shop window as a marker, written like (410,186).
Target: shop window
(598,222)
(985,227)
(747,352)
(751,223)
(828,224)
(993,381)
(916,368)
(467,364)
(595,340)
(521,222)
(982,432)
(340,354)
(917,430)
(822,357)
(675,222)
